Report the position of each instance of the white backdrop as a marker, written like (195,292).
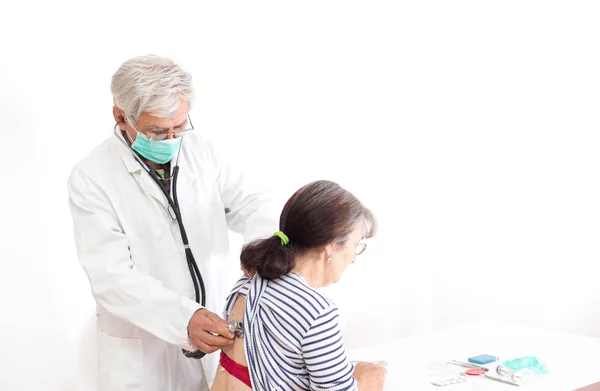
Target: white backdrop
(470,129)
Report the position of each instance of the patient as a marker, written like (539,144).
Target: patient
(288,336)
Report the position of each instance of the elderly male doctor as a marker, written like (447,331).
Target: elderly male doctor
(129,241)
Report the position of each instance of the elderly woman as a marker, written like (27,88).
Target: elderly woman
(288,335)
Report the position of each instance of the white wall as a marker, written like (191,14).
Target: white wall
(470,129)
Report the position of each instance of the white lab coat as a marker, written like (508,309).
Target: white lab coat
(132,253)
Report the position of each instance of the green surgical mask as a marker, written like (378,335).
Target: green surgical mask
(157,151)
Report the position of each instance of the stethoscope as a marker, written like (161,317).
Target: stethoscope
(175,214)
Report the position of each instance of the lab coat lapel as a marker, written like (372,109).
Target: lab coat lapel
(141,176)
(152,188)
(187,175)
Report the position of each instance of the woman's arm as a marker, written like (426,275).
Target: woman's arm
(326,361)
(370,377)
(324,354)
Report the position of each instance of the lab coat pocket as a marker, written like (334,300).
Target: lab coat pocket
(120,363)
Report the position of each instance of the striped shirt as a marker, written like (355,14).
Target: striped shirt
(292,337)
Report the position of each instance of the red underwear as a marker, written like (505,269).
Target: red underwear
(236,370)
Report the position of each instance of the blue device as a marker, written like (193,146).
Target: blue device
(483,359)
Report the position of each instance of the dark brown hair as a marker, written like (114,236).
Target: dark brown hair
(318,214)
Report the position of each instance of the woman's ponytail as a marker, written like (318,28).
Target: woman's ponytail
(268,257)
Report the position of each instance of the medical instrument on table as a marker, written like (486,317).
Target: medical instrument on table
(530,363)
(462,378)
(175,213)
(476,379)
(455,380)
(467,365)
(505,381)
(507,372)
(482,359)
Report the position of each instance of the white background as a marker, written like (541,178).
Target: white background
(469,128)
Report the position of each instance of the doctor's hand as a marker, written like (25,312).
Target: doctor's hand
(208,332)
(370,377)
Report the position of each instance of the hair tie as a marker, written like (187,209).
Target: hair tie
(284,239)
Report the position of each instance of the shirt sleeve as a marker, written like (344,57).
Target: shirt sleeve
(325,356)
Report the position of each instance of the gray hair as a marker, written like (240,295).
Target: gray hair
(151,84)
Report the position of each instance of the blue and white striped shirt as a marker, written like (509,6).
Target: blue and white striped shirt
(292,336)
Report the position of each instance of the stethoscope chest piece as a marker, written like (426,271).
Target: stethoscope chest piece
(236,328)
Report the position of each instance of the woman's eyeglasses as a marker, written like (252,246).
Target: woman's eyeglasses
(360,248)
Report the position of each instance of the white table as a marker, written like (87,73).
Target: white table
(573,361)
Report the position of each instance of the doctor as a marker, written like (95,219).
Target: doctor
(145,276)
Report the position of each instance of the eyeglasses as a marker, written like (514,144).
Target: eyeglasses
(163,134)
(360,248)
